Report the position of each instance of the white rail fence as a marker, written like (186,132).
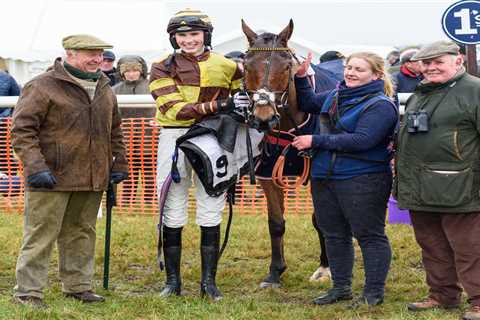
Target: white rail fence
(146,101)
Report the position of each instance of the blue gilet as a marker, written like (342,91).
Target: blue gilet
(334,164)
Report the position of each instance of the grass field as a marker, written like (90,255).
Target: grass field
(136,280)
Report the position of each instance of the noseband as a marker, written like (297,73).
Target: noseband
(265,96)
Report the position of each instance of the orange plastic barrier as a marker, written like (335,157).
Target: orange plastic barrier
(138,194)
(11,180)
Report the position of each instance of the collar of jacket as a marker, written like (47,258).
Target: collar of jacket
(426,87)
(77,73)
(408,72)
(134,82)
(204,56)
(59,72)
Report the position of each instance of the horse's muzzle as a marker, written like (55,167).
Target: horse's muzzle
(264,125)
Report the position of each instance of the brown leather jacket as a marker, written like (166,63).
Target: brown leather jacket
(57,127)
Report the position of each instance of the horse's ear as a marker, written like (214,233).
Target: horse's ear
(251,35)
(286,33)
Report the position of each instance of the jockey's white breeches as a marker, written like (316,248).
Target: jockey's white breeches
(175,213)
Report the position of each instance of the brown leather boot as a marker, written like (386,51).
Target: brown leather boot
(85,296)
(31,301)
(429,304)
(473,313)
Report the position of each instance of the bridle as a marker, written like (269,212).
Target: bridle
(265,96)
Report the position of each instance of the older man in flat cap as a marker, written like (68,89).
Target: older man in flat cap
(438,176)
(410,74)
(66,131)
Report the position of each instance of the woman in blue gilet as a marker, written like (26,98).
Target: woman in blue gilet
(351,173)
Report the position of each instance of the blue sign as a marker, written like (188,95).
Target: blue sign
(461,22)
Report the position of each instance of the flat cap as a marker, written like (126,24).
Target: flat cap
(436,49)
(407,55)
(84,41)
(109,55)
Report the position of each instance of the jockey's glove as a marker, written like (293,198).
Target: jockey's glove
(238,103)
(118,176)
(43,179)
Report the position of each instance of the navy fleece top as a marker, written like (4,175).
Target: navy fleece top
(374,127)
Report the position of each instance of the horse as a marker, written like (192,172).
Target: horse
(269,68)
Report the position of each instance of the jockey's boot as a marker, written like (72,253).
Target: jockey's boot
(172,248)
(209,249)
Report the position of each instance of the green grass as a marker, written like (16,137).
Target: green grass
(136,280)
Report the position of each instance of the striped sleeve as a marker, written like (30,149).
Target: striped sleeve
(163,88)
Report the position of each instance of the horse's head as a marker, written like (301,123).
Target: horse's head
(269,74)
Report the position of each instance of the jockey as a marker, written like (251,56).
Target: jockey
(188,86)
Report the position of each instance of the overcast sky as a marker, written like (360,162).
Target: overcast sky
(35,27)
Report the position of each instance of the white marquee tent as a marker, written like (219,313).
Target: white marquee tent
(31,30)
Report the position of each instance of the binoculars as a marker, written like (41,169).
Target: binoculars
(417,121)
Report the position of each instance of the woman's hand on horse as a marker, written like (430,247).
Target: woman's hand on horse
(302,142)
(302,70)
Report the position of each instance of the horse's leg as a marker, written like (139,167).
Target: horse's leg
(323,272)
(276,228)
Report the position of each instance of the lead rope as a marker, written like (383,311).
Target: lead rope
(277,173)
(278,178)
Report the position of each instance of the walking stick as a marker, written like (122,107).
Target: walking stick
(111,202)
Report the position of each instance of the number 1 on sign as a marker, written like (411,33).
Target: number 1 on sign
(464,16)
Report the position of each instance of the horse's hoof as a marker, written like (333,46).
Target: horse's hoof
(322,274)
(270,285)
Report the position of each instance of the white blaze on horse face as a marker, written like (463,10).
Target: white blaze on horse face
(263,97)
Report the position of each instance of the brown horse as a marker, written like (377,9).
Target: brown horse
(269,69)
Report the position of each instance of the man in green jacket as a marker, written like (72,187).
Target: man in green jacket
(438,176)
(66,131)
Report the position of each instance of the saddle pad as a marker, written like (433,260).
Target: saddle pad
(217,168)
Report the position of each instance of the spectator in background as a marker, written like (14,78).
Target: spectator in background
(463,53)
(393,61)
(107,67)
(8,87)
(142,151)
(409,75)
(236,56)
(10,185)
(333,62)
(393,58)
(133,73)
(324,77)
